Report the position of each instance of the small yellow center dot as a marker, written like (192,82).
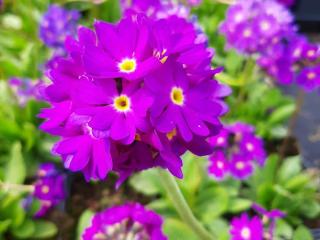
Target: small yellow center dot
(177,96)
(172,134)
(45,189)
(311,53)
(240,165)
(220,140)
(311,75)
(245,233)
(127,65)
(220,164)
(249,147)
(247,33)
(265,26)
(122,103)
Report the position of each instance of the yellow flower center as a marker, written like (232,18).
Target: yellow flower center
(265,26)
(177,96)
(172,134)
(245,233)
(122,103)
(250,147)
(127,65)
(45,189)
(220,165)
(311,53)
(247,33)
(311,75)
(240,165)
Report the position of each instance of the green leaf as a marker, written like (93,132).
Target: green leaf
(84,222)
(302,233)
(289,168)
(239,205)
(310,208)
(283,230)
(220,228)
(16,170)
(212,203)
(4,225)
(297,182)
(147,182)
(44,229)
(24,231)
(281,113)
(176,230)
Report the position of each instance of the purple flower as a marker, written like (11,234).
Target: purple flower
(111,107)
(287,3)
(49,188)
(251,25)
(240,167)
(219,165)
(129,221)
(244,228)
(309,78)
(26,89)
(269,217)
(239,149)
(56,24)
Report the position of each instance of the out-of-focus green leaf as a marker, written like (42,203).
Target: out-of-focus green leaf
(16,170)
(147,182)
(4,225)
(281,113)
(44,229)
(25,230)
(176,229)
(84,222)
(302,233)
(220,228)
(238,205)
(289,168)
(283,230)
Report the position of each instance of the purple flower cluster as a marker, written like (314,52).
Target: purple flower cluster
(287,3)
(26,89)
(251,25)
(159,8)
(236,150)
(266,30)
(256,228)
(56,24)
(132,96)
(49,188)
(293,59)
(129,221)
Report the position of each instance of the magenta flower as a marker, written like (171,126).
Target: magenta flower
(244,228)
(49,188)
(219,165)
(129,221)
(237,150)
(269,217)
(112,108)
(287,3)
(250,26)
(309,78)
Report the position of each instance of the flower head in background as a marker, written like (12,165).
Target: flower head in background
(49,188)
(236,151)
(129,221)
(244,228)
(287,3)
(56,24)
(250,26)
(26,89)
(132,96)
(268,218)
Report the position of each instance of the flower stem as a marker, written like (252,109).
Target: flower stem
(7,187)
(182,206)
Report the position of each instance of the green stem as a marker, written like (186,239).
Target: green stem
(7,187)
(182,206)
